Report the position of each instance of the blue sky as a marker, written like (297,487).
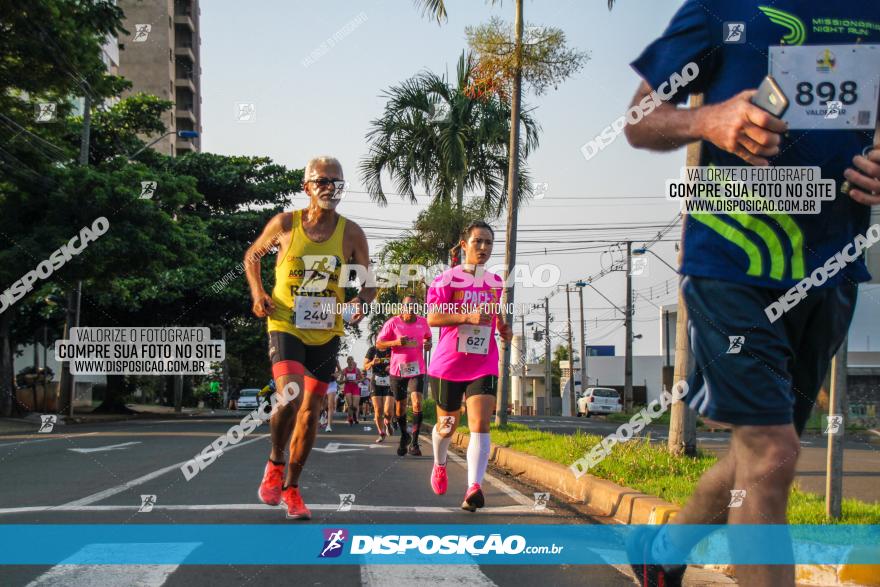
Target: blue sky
(253,53)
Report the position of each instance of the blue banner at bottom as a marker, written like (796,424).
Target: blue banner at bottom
(207,544)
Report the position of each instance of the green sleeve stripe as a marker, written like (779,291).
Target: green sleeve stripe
(736,236)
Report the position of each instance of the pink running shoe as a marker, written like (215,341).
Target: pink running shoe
(296,508)
(473,499)
(438,479)
(270,487)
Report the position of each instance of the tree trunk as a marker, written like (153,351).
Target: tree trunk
(512,212)
(7,374)
(114,398)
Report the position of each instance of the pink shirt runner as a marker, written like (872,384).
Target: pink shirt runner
(351,383)
(451,290)
(417,330)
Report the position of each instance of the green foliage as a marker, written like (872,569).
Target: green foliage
(546,58)
(433,135)
(559,354)
(652,469)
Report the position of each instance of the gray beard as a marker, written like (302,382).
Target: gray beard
(328,204)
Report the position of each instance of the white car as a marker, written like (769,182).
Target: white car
(247,399)
(599,400)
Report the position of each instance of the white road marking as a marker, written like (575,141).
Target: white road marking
(387,509)
(122,446)
(88,566)
(73,435)
(102,495)
(336,447)
(443,575)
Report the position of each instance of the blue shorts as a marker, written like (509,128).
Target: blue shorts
(749,371)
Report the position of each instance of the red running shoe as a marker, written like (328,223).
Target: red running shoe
(296,508)
(439,481)
(473,499)
(270,487)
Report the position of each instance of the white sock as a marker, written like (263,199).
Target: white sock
(477,457)
(441,446)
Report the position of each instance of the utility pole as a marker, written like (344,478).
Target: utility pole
(548,380)
(628,360)
(836,429)
(683,420)
(73,300)
(512,211)
(571,399)
(583,343)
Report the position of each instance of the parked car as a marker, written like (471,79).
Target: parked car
(599,400)
(248,400)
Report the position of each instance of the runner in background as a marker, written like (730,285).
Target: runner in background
(377,362)
(464,302)
(407,336)
(364,386)
(330,404)
(351,391)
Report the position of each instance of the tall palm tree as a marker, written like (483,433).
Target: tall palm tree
(442,138)
(437,8)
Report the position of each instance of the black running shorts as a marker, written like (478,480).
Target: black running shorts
(318,360)
(450,394)
(400,386)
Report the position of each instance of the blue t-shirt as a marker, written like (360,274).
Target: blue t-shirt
(719,246)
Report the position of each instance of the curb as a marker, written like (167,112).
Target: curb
(628,506)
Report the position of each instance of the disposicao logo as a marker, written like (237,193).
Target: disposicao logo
(334,540)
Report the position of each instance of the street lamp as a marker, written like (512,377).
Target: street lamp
(642,251)
(182,134)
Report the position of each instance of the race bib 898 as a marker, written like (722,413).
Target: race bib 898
(829,87)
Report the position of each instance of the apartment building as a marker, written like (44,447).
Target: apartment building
(160,55)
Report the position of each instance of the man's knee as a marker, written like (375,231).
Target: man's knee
(767,452)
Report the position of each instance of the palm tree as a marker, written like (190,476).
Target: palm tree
(437,8)
(445,139)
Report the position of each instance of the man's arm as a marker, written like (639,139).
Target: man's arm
(361,256)
(735,125)
(387,344)
(269,238)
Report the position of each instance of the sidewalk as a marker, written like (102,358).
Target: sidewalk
(31,422)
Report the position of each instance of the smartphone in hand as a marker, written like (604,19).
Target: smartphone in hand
(770,97)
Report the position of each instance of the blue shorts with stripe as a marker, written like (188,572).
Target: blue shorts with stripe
(750,371)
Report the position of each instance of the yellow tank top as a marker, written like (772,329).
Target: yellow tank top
(309,271)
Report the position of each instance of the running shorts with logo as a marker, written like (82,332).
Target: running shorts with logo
(450,394)
(749,371)
(319,360)
(400,386)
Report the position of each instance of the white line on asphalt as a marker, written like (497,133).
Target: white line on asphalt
(50,437)
(110,447)
(88,566)
(387,509)
(101,495)
(443,575)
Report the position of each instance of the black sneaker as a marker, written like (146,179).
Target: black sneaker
(415,451)
(404,441)
(638,549)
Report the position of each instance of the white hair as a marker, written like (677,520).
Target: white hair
(322,159)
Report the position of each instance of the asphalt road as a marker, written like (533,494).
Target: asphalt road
(861,459)
(60,479)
